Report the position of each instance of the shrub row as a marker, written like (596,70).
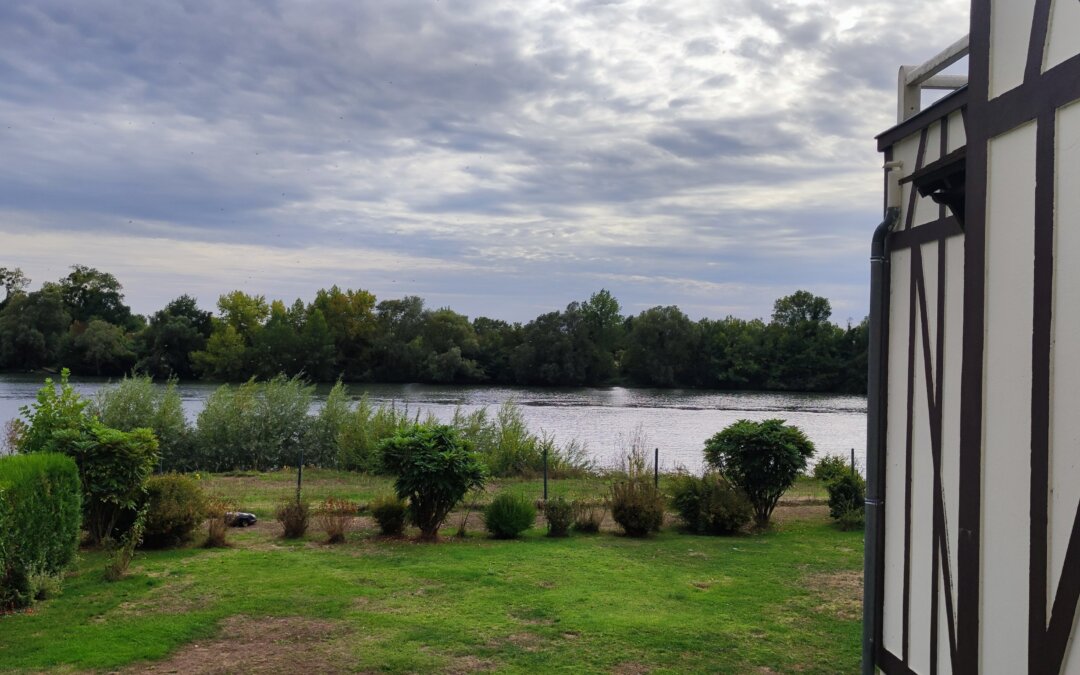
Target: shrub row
(40,512)
(269,424)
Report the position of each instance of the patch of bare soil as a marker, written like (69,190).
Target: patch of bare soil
(791,512)
(261,645)
(840,593)
(631,668)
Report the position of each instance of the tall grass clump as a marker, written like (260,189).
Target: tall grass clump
(294,517)
(217,522)
(559,515)
(137,403)
(390,512)
(40,513)
(362,432)
(256,425)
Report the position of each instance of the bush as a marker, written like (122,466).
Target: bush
(136,403)
(257,425)
(852,519)
(589,515)
(710,504)
(175,505)
(637,505)
(362,432)
(559,515)
(54,411)
(761,458)
(831,467)
(508,448)
(321,443)
(334,516)
(389,512)
(847,495)
(294,517)
(113,468)
(508,515)
(434,470)
(40,510)
(217,522)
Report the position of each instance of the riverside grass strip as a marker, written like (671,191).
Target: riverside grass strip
(783,601)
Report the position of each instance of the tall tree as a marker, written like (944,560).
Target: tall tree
(32,326)
(92,294)
(173,333)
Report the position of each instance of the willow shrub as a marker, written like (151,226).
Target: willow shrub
(40,513)
(137,403)
(256,425)
(509,448)
(363,430)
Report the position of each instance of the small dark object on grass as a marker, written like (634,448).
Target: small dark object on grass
(240,519)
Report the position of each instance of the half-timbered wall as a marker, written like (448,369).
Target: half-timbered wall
(980,570)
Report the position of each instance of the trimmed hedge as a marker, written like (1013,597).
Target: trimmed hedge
(40,515)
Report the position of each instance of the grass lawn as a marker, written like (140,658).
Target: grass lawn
(783,601)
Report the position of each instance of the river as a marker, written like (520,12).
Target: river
(677,421)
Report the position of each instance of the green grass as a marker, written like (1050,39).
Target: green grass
(260,492)
(602,603)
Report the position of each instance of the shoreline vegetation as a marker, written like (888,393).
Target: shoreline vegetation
(81,322)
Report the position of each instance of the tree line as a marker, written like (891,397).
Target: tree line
(81,322)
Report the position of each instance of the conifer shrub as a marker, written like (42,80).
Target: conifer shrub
(40,513)
(175,506)
(559,514)
(294,517)
(390,512)
(710,504)
(334,517)
(508,515)
(847,496)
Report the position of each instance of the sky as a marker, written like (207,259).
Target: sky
(502,158)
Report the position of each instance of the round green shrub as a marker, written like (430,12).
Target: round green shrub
(390,513)
(762,458)
(509,515)
(176,505)
(846,493)
(831,467)
(559,515)
(710,504)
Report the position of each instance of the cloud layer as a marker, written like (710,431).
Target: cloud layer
(502,158)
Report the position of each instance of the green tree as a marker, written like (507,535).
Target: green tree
(761,458)
(98,348)
(32,327)
(14,282)
(173,333)
(661,343)
(56,408)
(92,294)
(805,344)
(351,320)
(224,358)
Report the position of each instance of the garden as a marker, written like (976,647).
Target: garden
(399,544)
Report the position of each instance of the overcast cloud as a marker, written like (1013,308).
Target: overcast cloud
(502,158)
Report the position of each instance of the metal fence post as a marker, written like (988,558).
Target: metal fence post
(656,467)
(299,475)
(545,473)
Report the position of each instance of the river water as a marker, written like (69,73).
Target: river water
(677,421)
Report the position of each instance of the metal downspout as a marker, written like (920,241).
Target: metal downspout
(875,423)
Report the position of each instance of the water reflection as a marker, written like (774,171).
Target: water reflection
(678,421)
